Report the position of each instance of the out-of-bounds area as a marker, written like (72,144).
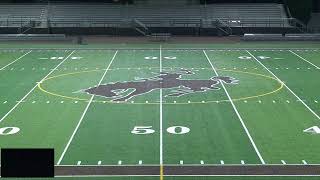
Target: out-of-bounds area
(163,107)
(180,178)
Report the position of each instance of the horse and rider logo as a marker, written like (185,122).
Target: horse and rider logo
(123,91)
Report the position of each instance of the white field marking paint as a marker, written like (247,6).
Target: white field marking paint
(242,162)
(236,111)
(73,58)
(221,162)
(288,101)
(99,162)
(79,163)
(140,162)
(283,162)
(5,102)
(195,176)
(15,60)
(119,162)
(181,161)
(201,162)
(316,101)
(24,97)
(315,114)
(304,162)
(304,59)
(85,111)
(161,117)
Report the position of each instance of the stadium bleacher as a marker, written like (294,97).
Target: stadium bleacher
(17,15)
(222,17)
(314,23)
(106,15)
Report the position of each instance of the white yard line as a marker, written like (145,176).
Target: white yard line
(304,59)
(21,100)
(299,99)
(15,60)
(161,118)
(84,112)
(236,111)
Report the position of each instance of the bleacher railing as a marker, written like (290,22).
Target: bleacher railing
(159,22)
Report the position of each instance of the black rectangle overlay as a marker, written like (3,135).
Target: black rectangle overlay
(27,162)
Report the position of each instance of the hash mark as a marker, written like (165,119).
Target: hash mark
(242,162)
(119,162)
(201,162)
(79,163)
(99,162)
(140,162)
(283,162)
(181,161)
(221,162)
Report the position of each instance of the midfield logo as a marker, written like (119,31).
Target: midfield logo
(123,91)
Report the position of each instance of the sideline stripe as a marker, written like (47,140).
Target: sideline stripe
(15,106)
(304,59)
(133,175)
(299,99)
(15,60)
(236,111)
(85,111)
(161,124)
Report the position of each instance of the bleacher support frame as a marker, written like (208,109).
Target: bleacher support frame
(200,25)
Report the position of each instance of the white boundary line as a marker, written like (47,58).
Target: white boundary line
(236,111)
(315,114)
(15,106)
(84,112)
(186,165)
(15,60)
(161,118)
(304,59)
(189,176)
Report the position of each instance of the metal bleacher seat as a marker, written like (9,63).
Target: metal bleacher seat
(159,15)
(249,15)
(17,15)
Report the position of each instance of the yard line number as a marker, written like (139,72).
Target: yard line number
(313,130)
(249,57)
(155,57)
(9,131)
(143,130)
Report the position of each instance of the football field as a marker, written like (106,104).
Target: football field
(163,107)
